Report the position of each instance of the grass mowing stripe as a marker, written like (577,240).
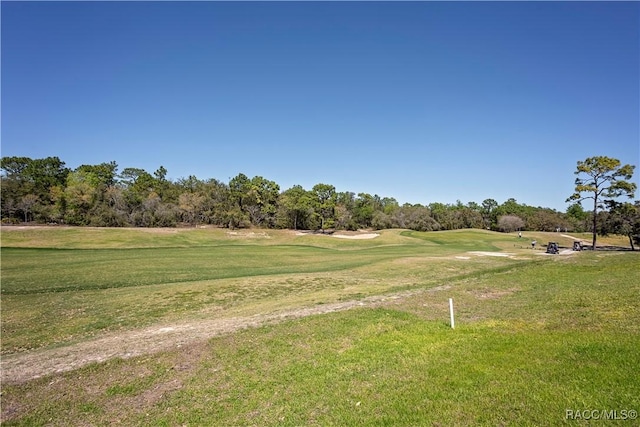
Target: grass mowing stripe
(54,270)
(35,320)
(27,271)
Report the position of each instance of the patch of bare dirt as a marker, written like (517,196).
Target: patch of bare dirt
(571,237)
(22,367)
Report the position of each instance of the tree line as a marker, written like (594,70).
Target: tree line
(46,191)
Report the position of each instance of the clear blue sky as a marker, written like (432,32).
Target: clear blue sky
(425,102)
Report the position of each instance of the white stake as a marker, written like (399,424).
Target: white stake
(451,312)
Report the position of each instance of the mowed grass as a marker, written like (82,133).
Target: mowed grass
(535,337)
(81,282)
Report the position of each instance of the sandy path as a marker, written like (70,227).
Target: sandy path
(21,367)
(571,237)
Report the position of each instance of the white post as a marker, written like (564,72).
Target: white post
(451,312)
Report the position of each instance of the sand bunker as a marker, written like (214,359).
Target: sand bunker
(356,236)
(498,254)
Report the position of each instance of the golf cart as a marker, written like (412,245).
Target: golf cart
(552,248)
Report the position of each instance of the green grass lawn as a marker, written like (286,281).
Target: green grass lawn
(81,282)
(536,336)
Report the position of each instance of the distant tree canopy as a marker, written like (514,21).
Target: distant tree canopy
(45,191)
(622,218)
(602,179)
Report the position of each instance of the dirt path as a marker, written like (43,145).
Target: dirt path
(571,237)
(21,367)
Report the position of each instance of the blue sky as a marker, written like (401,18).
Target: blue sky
(421,101)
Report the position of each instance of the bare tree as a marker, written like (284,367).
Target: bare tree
(26,205)
(509,223)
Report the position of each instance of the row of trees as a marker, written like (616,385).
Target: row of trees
(46,191)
